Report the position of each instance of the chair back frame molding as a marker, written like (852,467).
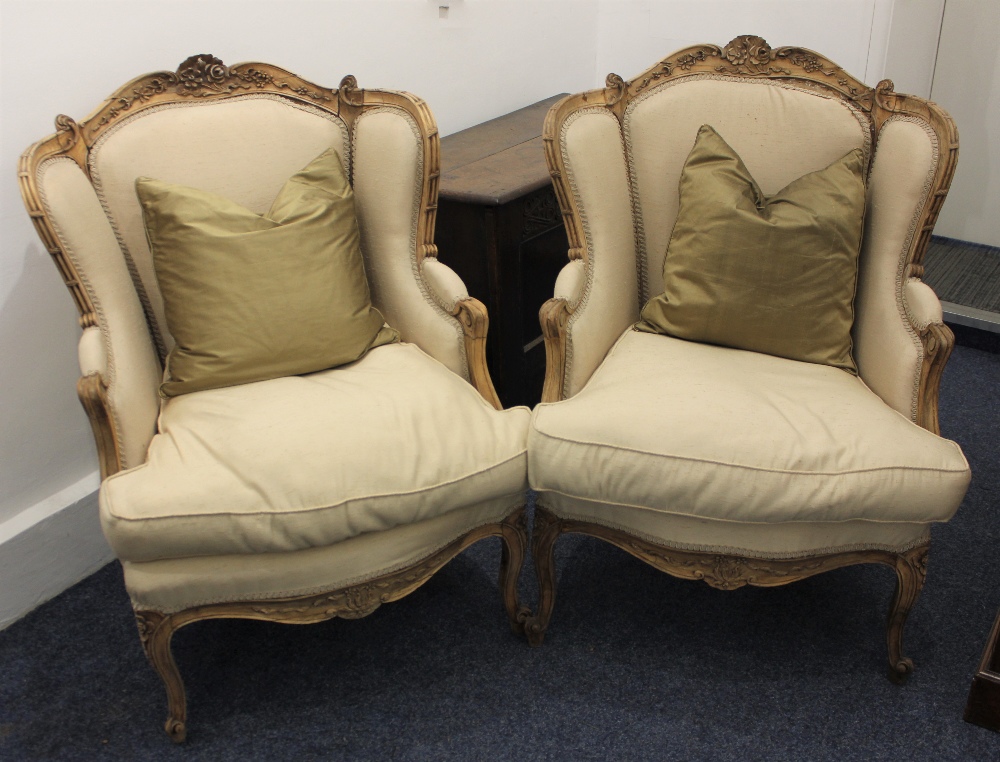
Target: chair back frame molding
(205,78)
(750,57)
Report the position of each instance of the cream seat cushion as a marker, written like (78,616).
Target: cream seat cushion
(678,429)
(308,461)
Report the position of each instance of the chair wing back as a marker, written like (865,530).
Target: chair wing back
(616,156)
(240,132)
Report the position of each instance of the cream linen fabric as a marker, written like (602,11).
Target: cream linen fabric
(89,242)
(707,432)
(444,283)
(922,305)
(790,539)
(243,149)
(595,163)
(308,461)
(886,347)
(91,352)
(386,151)
(179,583)
(571,281)
(780,133)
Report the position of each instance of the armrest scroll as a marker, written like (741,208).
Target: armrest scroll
(923,310)
(471,313)
(554,316)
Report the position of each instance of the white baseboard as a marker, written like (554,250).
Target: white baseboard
(49,547)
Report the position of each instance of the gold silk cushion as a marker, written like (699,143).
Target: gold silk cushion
(774,274)
(250,297)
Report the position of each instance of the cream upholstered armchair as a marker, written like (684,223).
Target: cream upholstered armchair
(294,499)
(717,463)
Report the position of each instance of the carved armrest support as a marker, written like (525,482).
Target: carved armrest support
(938,341)
(923,310)
(471,313)
(553,317)
(93,394)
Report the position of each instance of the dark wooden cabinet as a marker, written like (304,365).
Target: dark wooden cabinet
(983,706)
(499,227)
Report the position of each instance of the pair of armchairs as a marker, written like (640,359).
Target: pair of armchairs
(302,498)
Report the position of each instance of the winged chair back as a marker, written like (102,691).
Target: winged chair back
(240,132)
(616,155)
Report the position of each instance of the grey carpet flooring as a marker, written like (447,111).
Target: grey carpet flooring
(964,273)
(637,665)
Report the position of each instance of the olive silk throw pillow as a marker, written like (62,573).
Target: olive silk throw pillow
(774,274)
(250,297)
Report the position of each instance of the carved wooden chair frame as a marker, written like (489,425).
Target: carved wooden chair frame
(204,77)
(747,56)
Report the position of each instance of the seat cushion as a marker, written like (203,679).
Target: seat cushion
(308,461)
(718,433)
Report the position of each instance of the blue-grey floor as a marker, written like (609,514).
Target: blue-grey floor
(636,665)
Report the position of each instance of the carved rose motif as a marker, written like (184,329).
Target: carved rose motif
(748,50)
(202,71)
(737,54)
(727,574)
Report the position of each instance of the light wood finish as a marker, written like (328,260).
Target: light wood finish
(93,394)
(471,313)
(748,56)
(729,572)
(204,77)
(156,629)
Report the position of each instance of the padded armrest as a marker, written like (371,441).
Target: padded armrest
(570,283)
(444,284)
(92,354)
(922,305)
(119,347)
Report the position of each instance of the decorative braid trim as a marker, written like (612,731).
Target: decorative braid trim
(744,552)
(155,330)
(904,313)
(95,300)
(418,189)
(317,589)
(642,258)
(588,260)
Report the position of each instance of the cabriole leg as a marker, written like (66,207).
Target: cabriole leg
(546,530)
(911,571)
(155,632)
(513,544)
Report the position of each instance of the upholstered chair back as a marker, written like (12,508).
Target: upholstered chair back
(618,154)
(240,132)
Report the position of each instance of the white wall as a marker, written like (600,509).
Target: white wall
(634,34)
(913,44)
(485,59)
(967,84)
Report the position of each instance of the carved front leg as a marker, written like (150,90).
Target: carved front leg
(513,544)
(155,632)
(547,529)
(911,571)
